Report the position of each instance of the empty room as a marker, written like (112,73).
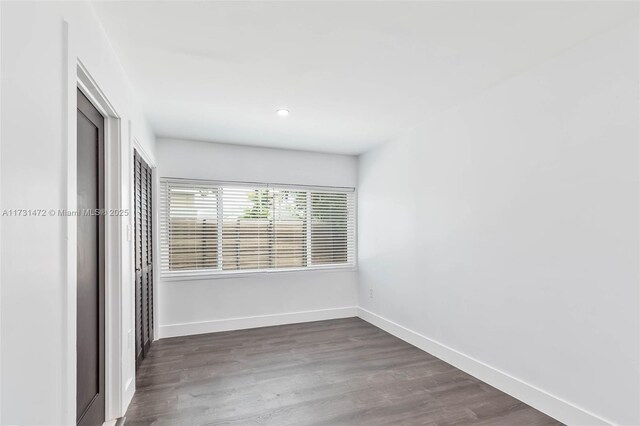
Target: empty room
(335,213)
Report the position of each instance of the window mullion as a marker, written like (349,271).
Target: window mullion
(272,227)
(220,216)
(308,229)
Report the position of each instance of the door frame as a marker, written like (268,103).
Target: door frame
(77,76)
(113,240)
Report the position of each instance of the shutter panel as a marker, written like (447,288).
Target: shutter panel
(332,228)
(145,258)
(148,240)
(189,227)
(143,220)
(138,255)
(246,228)
(290,228)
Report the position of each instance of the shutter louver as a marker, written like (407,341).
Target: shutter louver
(216,228)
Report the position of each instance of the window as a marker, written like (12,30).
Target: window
(217,228)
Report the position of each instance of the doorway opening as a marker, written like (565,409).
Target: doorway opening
(110,322)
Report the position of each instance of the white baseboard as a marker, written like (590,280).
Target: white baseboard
(127,395)
(549,404)
(186,329)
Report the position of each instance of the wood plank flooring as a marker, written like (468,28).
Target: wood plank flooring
(337,372)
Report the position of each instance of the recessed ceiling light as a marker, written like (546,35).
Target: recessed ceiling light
(282,112)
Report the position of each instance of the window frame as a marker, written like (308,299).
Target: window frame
(205,274)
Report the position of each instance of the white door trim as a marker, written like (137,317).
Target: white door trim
(78,77)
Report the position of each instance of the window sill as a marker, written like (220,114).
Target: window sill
(249,273)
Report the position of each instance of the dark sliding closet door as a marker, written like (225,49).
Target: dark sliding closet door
(144,256)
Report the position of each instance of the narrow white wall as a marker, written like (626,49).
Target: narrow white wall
(35,384)
(209,300)
(507,228)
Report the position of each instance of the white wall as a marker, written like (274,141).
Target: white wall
(515,228)
(211,302)
(37,384)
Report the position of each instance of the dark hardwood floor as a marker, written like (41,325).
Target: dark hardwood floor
(338,372)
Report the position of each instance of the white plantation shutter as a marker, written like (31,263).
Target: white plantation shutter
(217,228)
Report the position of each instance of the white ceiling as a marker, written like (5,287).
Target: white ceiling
(353,74)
